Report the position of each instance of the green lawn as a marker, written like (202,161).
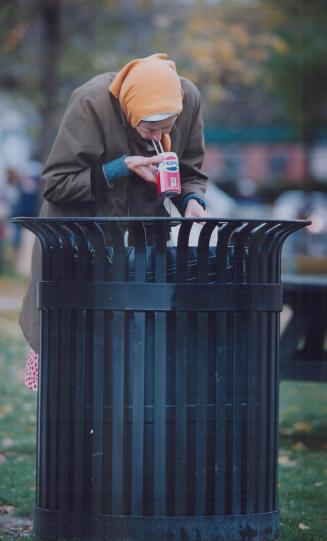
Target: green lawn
(303,445)
(303,461)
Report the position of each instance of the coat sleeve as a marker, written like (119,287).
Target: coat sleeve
(193,180)
(79,143)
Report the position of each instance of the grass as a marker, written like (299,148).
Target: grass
(303,464)
(303,444)
(17,421)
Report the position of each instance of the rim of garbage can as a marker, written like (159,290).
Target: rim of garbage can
(170,219)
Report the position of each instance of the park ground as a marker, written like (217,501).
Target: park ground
(303,441)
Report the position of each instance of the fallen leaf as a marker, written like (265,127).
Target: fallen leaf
(297,427)
(27,406)
(303,526)
(319,484)
(299,446)
(287,431)
(284,460)
(294,408)
(3,459)
(6,409)
(301,426)
(292,392)
(7,443)
(6,509)
(20,458)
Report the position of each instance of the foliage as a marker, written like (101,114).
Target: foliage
(255,61)
(52,46)
(299,75)
(224,47)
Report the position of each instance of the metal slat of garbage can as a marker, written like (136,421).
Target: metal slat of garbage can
(262,258)
(220,414)
(84,396)
(222,356)
(261,426)
(79,259)
(138,329)
(63,401)
(224,235)
(97,270)
(257,272)
(254,259)
(270,272)
(241,328)
(160,352)
(281,232)
(49,471)
(271,383)
(117,339)
(276,251)
(254,262)
(251,400)
(181,447)
(258,253)
(239,241)
(59,397)
(98,329)
(80,246)
(262,395)
(272,440)
(54,378)
(66,367)
(201,421)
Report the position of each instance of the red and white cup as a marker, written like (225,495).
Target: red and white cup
(169,182)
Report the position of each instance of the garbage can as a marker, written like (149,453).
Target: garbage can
(158,398)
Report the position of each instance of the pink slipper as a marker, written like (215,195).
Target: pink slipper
(32,371)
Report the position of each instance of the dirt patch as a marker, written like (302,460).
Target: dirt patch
(11,524)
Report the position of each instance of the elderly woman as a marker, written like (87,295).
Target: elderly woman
(109,124)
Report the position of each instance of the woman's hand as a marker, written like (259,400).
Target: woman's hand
(195,210)
(144,167)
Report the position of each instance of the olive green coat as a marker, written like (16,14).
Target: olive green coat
(94,130)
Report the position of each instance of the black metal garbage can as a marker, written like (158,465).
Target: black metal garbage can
(158,398)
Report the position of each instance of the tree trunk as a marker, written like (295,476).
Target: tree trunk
(50,15)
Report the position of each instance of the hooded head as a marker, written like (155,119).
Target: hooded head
(148,88)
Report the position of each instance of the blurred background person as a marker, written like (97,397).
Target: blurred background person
(24,202)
